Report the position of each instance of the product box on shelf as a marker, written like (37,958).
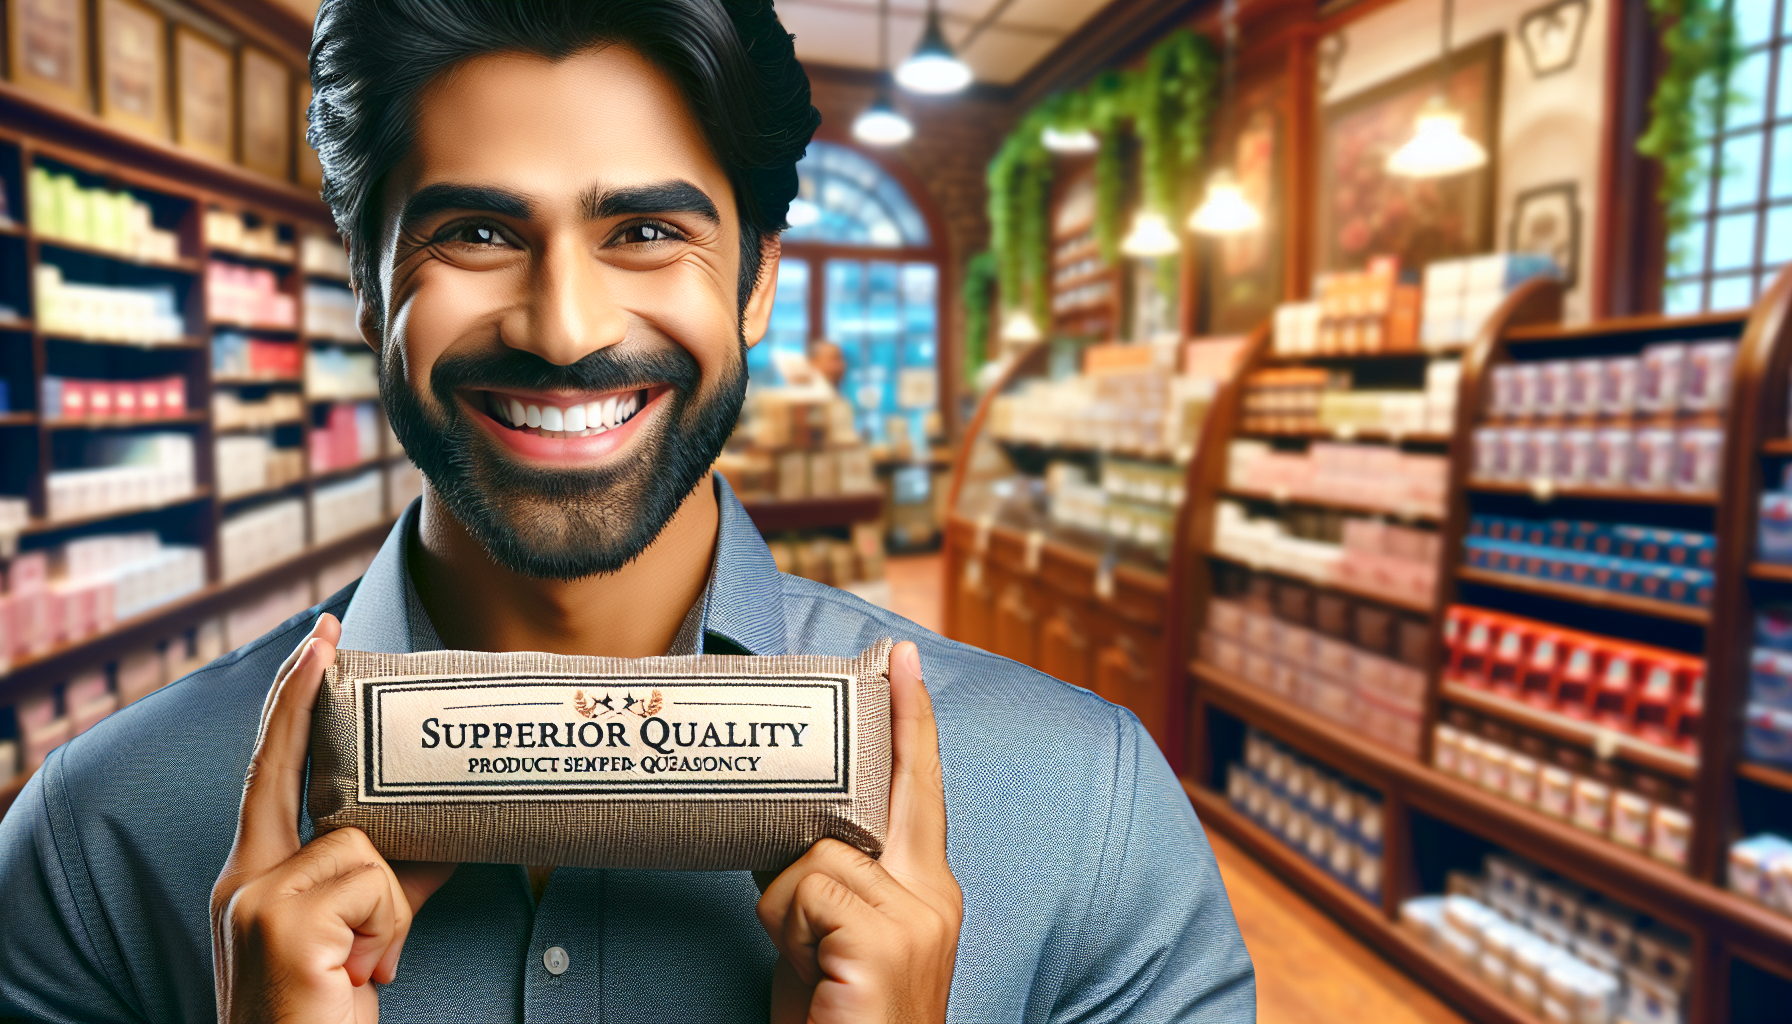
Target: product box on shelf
(239,357)
(145,315)
(1333,821)
(248,297)
(76,398)
(123,471)
(340,509)
(1460,294)
(1666,565)
(115,221)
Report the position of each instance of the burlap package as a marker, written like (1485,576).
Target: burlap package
(709,763)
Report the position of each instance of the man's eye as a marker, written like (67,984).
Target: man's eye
(648,232)
(474,234)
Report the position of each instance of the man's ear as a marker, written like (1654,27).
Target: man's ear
(367,318)
(756,317)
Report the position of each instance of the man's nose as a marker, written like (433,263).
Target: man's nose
(572,309)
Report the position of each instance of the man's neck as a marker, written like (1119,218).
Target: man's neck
(477,605)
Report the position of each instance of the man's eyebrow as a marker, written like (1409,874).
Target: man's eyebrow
(659,197)
(433,199)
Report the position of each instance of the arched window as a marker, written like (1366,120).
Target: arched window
(861,269)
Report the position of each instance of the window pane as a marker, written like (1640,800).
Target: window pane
(1778,242)
(1680,297)
(789,328)
(1734,247)
(1748,91)
(845,197)
(1742,171)
(1754,21)
(1732,292)
(1780,175)
(1687,253)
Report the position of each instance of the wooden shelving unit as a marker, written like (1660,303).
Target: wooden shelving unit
(815,513)
(1591,596)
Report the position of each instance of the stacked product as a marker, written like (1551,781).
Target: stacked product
(248,297)
(1355,313)
(75,398)
(1635,809)
(323,255)
(238,357)
(1558,950)
(88,584)
(253,540)
(855,565)
(349,436)
(404,484)
(263,612)
(342,508)
(793,445)
(143,315)
(1344,412)
(1370,477)
(1395,563)
(1461,294)
(342,375)
(1075,259)
(123,471)
(231,411)
(1333,821)
(1649,423)
(46,723)
(330,313)
(1355,662)
(1768,737)
(1760,868)
(240,234)
(1664,565)
(1134,503)
(1653,694)
(247,463)
(113,221)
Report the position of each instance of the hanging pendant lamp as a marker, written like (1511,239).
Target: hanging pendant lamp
(1150,236)
(933,68)
(1019,327)
(881,124)
(1225,210)
(1438,148)
(1078,140)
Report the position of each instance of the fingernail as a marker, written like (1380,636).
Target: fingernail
(914,661)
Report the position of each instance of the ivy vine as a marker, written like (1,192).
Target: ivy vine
(1699,38)
(977,292)
(1167,104)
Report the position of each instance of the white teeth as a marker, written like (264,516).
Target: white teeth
(575,419)
(551,418)
(594,414)
(609,419)
(517,415)
(629,405)
(532,415)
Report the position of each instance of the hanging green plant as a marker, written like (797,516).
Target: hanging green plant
(1699,38)
(977,292)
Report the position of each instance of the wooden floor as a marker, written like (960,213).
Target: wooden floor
(1309,967)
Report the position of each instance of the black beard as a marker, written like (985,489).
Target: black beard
(566,524)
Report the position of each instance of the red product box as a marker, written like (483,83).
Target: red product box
(1615,688)
(174,395)
(29,573)
(1537,682)
(1509,653)
(124,398)
(99,398)
(1581,662)
(148,398)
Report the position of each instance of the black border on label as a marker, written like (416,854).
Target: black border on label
(721,789)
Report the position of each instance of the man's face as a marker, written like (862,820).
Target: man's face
(564,345)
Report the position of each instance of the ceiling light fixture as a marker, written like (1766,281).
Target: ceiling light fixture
(881,124)
(933,68)
(1020,328)
(1438,148)
(1078,140)
(1225,210)
(1150,236)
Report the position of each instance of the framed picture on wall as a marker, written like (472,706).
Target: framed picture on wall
(47,49)
(267,114)
(1546,221)
(133,59)
(311,172)
(1364,211)
(1243,272)
(204,103)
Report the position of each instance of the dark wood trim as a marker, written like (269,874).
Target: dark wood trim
(814,513)
(1118,33)
(1629,247)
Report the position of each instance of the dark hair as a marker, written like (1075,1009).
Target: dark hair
(731,59)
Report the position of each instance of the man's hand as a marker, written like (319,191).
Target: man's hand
(874,940)
(297,933)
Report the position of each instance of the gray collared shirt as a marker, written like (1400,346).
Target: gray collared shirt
(1090,892)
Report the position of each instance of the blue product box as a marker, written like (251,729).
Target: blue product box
(1773,627)
(5,396)
(1477,525)
(1699,550)
(1770,678)
(1774,540)
(1767,735)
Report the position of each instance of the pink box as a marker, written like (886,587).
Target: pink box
(1618,396)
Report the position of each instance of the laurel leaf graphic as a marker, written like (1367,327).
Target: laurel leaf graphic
(654,705)
(584,705)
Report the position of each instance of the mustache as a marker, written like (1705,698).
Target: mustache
(607,369)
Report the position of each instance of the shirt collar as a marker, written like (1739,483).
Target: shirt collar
(742,603)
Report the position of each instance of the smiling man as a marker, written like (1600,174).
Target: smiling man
(563,222)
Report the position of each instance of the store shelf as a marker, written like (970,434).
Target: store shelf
(1777,446)
(1455,984)
(16,324)
(1549,492)
(1421,607)
(1344,434)
(120,422)
(328,275)
(247,256)
(256,381)
(1766,775)
(332,399)
(1770,571)
(159,623)
(1296,359)
(1640,753)
(57,525)
(260,492)
(1644,883)
(18,419)
(1626,325)
(257,428)
(1593,596)
(186,344)
(179,266)
(343,472)
(239,325)
(813,513)
(1404,514)
(330,339)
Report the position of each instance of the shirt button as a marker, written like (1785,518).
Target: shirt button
(555,960)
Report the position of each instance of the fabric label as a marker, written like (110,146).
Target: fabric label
(540,736)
